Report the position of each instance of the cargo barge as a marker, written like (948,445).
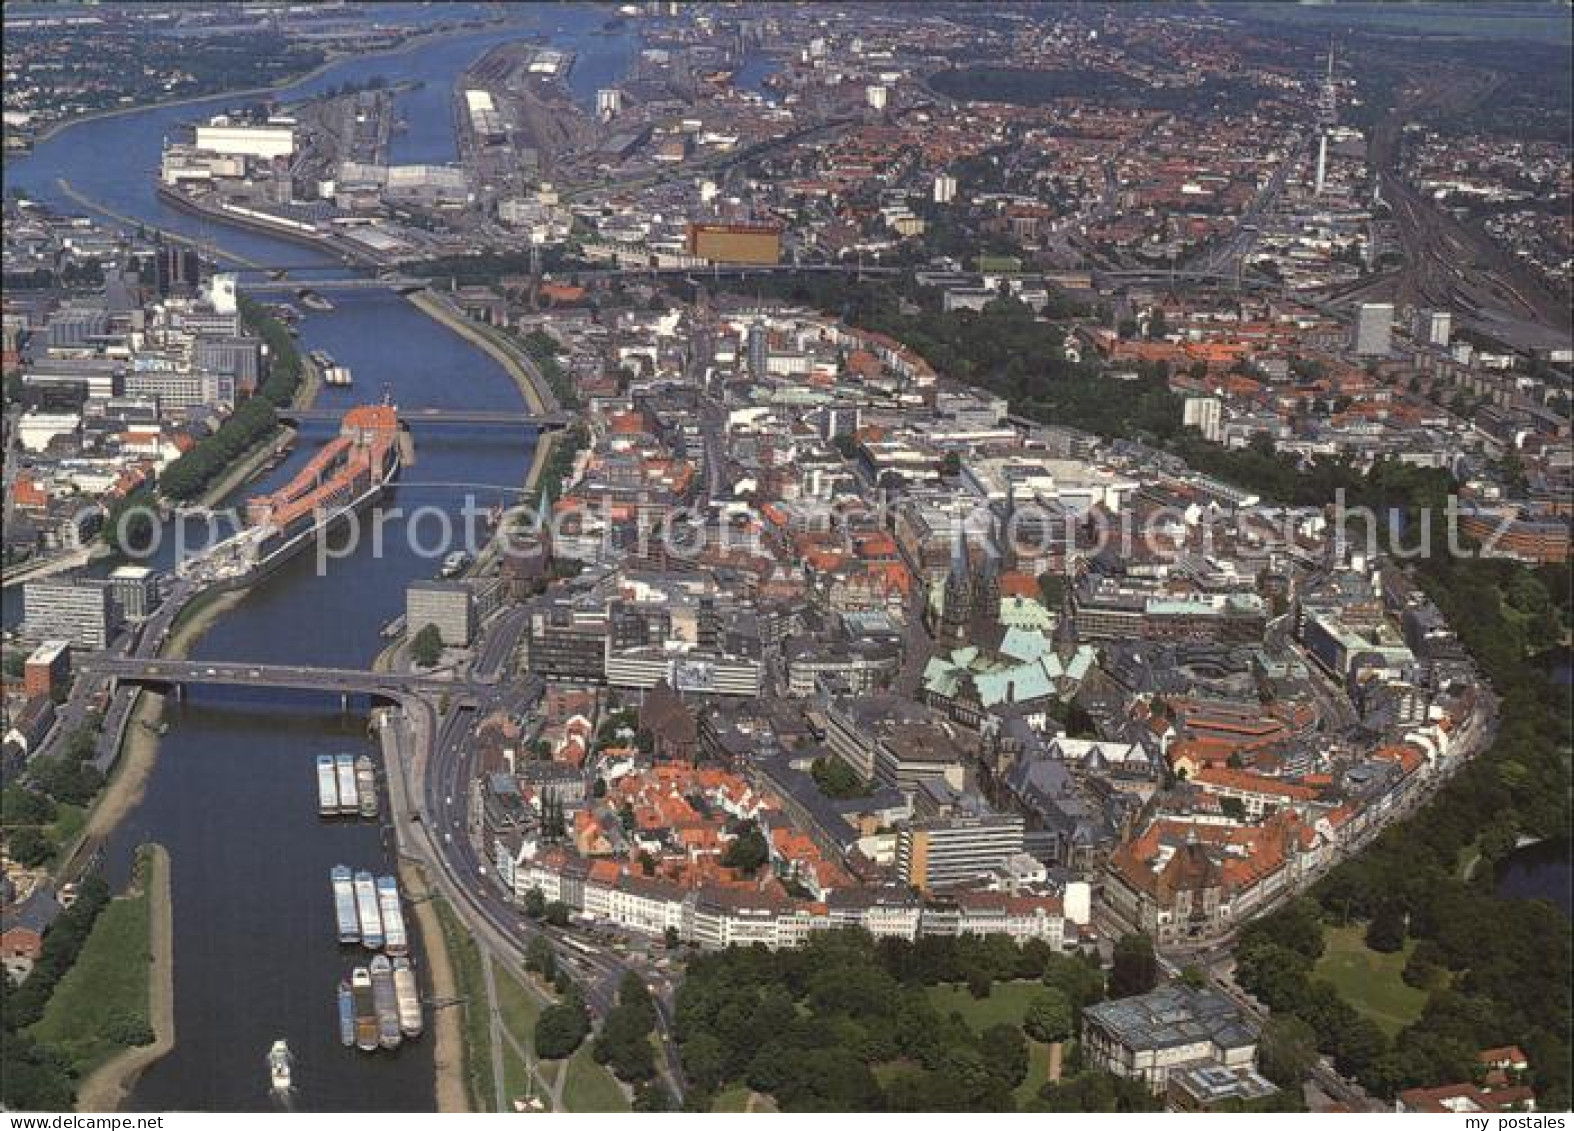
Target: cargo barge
(366,786)
(344,905)
(410,1021)
(366,905)
(327,787)
(365,1010)
(346,1015)
(395,941)
(385,1001)
(349,796)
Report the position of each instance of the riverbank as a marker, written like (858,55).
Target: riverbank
(434,308)
(139,750)
(111,1083)
(82,200)
(531,385)
(448,1047)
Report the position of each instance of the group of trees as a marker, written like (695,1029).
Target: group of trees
(837,779)
(426,646)
(747,850)
(34,1076)
(562,1026)
(624,1044)
(809,1026)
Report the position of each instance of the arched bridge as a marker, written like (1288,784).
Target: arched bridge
(158,672)
(545,422)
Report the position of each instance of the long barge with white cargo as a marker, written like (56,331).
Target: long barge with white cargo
(366,906)
(327,787)
(411,1022)
(349,795)
(344,904)
(395,940)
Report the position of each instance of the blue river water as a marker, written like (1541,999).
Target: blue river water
(232,795)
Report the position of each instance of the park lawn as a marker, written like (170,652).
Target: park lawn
(1006,1004)
(465,957)
(108,985)
(731,1099)
(590,1087)
(516,1078)
(1037,1071)
(518,1006)
(1369,981)
(68,824)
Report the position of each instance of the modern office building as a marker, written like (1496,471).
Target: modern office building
(1374,329)
(134,589)
(450,605)
(80,611)
(956,850)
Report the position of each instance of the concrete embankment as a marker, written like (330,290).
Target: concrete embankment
(531,385)
(109,1085)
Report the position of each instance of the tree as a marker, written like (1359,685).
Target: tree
(561,1028)
(535,903)
(704,1061)
(1049,1017)
(28,846)
(747,850)
(1136,967)
(1287,1050)
(427,646)
(1099,1092)
(540,957)
(1080,979)
(837,779)
(1386,932)
(557,913)
(671,938)
(652,1095)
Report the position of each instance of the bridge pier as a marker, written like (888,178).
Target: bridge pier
(344,702)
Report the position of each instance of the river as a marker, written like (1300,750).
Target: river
(233,794)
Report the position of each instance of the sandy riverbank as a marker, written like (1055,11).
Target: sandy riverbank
(109,1085)
(448,1049)
(140,748)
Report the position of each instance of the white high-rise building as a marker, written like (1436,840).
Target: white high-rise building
(609,101)
(1206,414)
(221,293)
(877,96)
(1434,327)
(1374,329)
(945,188)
